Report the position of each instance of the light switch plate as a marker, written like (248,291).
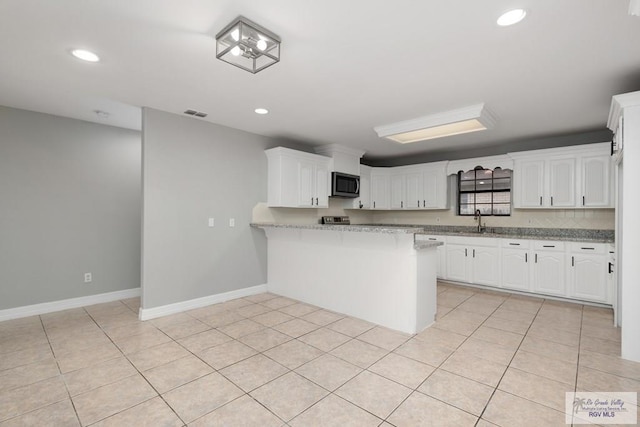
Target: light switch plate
(212,222)
(232,222)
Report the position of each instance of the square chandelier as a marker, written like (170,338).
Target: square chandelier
(247,45)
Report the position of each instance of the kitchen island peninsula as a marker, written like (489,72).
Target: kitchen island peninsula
(375,273)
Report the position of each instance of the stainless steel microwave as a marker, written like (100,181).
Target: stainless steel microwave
(345,185)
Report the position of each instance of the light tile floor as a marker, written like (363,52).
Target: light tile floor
(265,360)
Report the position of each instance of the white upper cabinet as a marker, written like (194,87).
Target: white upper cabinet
(434,186)
(418,187)
(573,177)
(397,183)
(529,179)
(364,201)
(596,182)
(562,183)
(379,188)
(297,179)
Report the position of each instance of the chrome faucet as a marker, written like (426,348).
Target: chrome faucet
(478,217)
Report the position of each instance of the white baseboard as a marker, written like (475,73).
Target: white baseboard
(178,307)
(50,307)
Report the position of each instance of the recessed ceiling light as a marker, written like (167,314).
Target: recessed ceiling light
(511,17)
(261,111)
(85,55)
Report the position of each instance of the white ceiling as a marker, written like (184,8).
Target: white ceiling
(347,65)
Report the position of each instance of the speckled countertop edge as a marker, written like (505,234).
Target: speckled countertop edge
(388,229)
(559,234)
(425,244)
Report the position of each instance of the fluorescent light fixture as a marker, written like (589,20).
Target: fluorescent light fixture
(261,111)
(454,122)
(247,45)
(85,55)
(511,17)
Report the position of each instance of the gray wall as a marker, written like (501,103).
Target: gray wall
(193,170)
(70,199)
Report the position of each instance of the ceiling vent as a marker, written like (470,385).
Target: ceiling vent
(195,113)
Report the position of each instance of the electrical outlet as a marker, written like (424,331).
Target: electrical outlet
(437,219)
(232,222)
(88,277)
(212,222)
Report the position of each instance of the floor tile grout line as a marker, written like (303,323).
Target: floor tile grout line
(60,375)
(510,361)
(139,373)
(441,363)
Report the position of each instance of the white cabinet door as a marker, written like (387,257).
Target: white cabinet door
(306,179)
(589,277)
(296,179)
(364,201)
(596,182)
(434,189)
(515,269)
(549,270)
(321,183)
(562,182)
(457,263)
(485,265)
(529,179)
(397,191)
(413,191)
(379,191)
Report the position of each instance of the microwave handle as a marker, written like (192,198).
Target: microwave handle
(358,185)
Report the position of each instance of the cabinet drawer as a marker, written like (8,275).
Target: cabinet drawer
(472,241)
(431,238)
(588,248)
(548,245)
(516,243)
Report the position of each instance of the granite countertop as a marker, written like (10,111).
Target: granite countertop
(561,234)
(368,228)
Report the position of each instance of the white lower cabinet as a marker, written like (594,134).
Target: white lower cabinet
(477,263)
(516,272)
(580,271)
(549,268)
(589,274)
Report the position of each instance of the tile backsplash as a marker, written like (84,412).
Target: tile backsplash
(594,219)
